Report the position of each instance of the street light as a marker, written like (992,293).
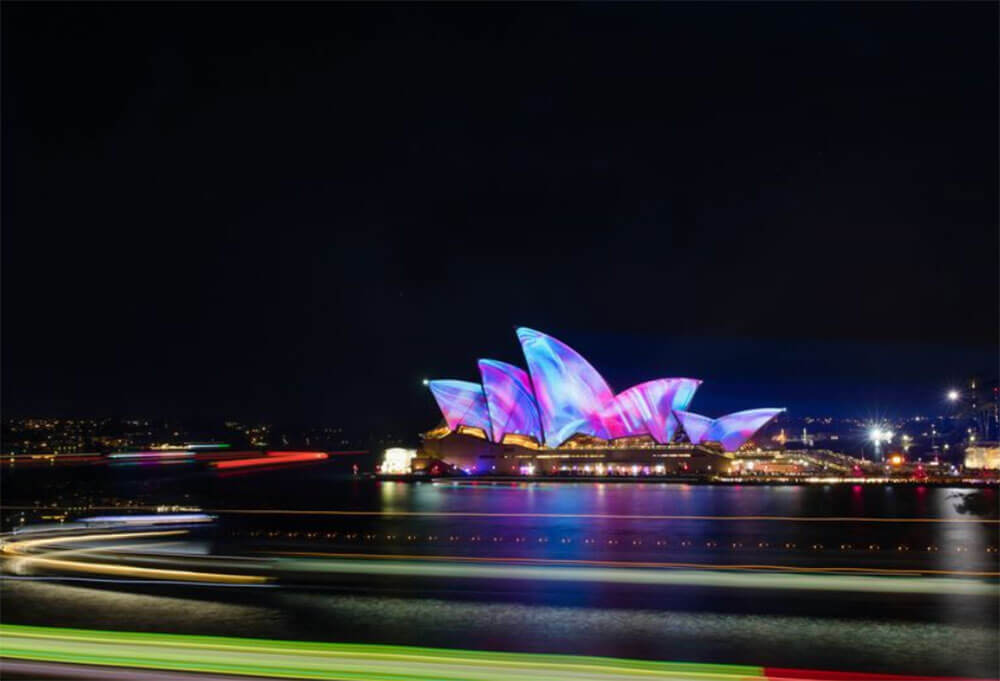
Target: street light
(953,395)
(878,435)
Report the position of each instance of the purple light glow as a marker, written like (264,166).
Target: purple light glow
(694,425)
(647,408)
(571,395)
(512,407)
(462,403)
(732,430)
(562,395)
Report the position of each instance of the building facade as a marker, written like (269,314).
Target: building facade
(559,415)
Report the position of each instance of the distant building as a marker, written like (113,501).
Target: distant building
(985,455)
(561,416)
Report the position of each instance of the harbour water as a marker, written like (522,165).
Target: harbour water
(934,537)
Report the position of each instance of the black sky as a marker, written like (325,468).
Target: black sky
(297,211)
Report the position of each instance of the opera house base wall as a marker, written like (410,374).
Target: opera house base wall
(476,456)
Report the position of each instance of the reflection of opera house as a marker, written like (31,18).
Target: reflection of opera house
(560,417)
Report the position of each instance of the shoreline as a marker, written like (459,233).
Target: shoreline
(784,482)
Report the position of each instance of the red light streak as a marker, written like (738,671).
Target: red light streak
(271,459)
(779,674)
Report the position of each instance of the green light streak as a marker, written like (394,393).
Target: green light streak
(346,661)
(676,577)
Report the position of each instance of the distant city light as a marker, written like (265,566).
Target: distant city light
(953,395)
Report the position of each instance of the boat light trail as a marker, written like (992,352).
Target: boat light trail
(157,519)
(661,574)
(361,662)
(639,564)
(597,516)
(272,459)
(160,454)
(22,551)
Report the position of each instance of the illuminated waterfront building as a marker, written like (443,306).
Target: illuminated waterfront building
(985,455)
(561,416)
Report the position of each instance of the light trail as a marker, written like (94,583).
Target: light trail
(152,455)
(22,551)
(596,516)
(599,516)
(22,546)
(638,564)
(103,580)
(155,519)
(271,459)
(361,662)
(741,577)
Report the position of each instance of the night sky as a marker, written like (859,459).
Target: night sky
(296,212)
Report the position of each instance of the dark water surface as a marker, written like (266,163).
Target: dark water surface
(925,633)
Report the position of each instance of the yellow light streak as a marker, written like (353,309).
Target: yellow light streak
(21,550)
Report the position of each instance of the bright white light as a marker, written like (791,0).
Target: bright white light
(396,460)
(953,395)
(426,382)
(878,435)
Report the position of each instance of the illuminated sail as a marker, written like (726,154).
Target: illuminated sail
(732,430)
(570,394)
(695,425)
(509,398)
(648,408)
(462,403)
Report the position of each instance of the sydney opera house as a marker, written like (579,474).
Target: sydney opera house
(561,417)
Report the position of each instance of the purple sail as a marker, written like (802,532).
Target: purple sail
(509,398)
(732,430)
(695,425)
(570,394)
(462,403)
(562,395)
(648,408)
